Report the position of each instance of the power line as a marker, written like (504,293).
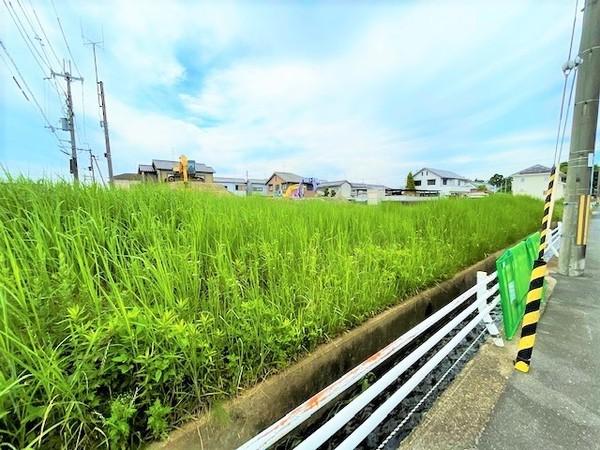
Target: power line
(99,171)
(29,42)
(567,70)
(44,33)
(14,79)
(31,94)
(566,121)
(24,35)
(35,34)
(62,31)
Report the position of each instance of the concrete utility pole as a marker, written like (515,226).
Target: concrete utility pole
(73,166)
(583,137)
(106,138)
(91,166)
(598,186)
(102,105)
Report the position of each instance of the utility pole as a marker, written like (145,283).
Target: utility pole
(107,154)
(597,184)
(91,166)
(102,105)
(583,137)
(73,166)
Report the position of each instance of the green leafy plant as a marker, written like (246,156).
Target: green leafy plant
(158,423)
(118,425)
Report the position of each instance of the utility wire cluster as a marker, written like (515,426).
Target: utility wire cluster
(27,23)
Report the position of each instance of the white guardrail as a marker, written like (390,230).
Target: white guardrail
(479,298)
(553,242)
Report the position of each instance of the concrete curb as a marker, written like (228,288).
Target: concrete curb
(259,407)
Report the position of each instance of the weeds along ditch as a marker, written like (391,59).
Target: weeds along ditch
(125,312)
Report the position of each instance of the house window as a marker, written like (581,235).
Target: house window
(425,173)
(417,182)
(431,182)
(257,188)
(445,181)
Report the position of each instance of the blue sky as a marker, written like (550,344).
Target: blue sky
(362,91)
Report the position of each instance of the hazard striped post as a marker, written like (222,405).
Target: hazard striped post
(536,287)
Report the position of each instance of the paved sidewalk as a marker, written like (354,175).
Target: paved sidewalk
(557,404)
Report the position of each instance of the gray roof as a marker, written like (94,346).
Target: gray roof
(444,173)
(367,186)
(239,180)
(146,168)
(326,184)
(164,164)
(287,177)
(538,168)
(200,167)
(229,180)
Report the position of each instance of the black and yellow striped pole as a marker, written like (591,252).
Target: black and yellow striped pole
(536,287)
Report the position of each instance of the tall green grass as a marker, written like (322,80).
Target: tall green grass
(122,313)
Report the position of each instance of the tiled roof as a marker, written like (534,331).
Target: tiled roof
(146,168)
(164,164)
(287,177)
(444,173)
(538,168)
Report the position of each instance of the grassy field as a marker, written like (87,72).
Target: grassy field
(124,312)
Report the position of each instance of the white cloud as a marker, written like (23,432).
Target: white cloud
(405,85)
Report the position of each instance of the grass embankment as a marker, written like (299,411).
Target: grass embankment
(123,312)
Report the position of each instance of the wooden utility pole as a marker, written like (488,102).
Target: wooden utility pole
(73,166)
(583,137)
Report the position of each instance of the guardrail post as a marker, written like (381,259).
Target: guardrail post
(554,242)
(482,278)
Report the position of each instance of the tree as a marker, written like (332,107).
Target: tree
(410,182)
(326,193)
(497,180)
(502,184)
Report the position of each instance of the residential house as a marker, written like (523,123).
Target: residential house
(361,191)
(162,169)
(238,186)
(336,189)
(278,183)
(488,187)
(533,181)
(443,181)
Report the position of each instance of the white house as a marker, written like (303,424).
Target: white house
(352,191)
(362,191)
(342,188)
(237,186)
(443,181)
(533,181)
